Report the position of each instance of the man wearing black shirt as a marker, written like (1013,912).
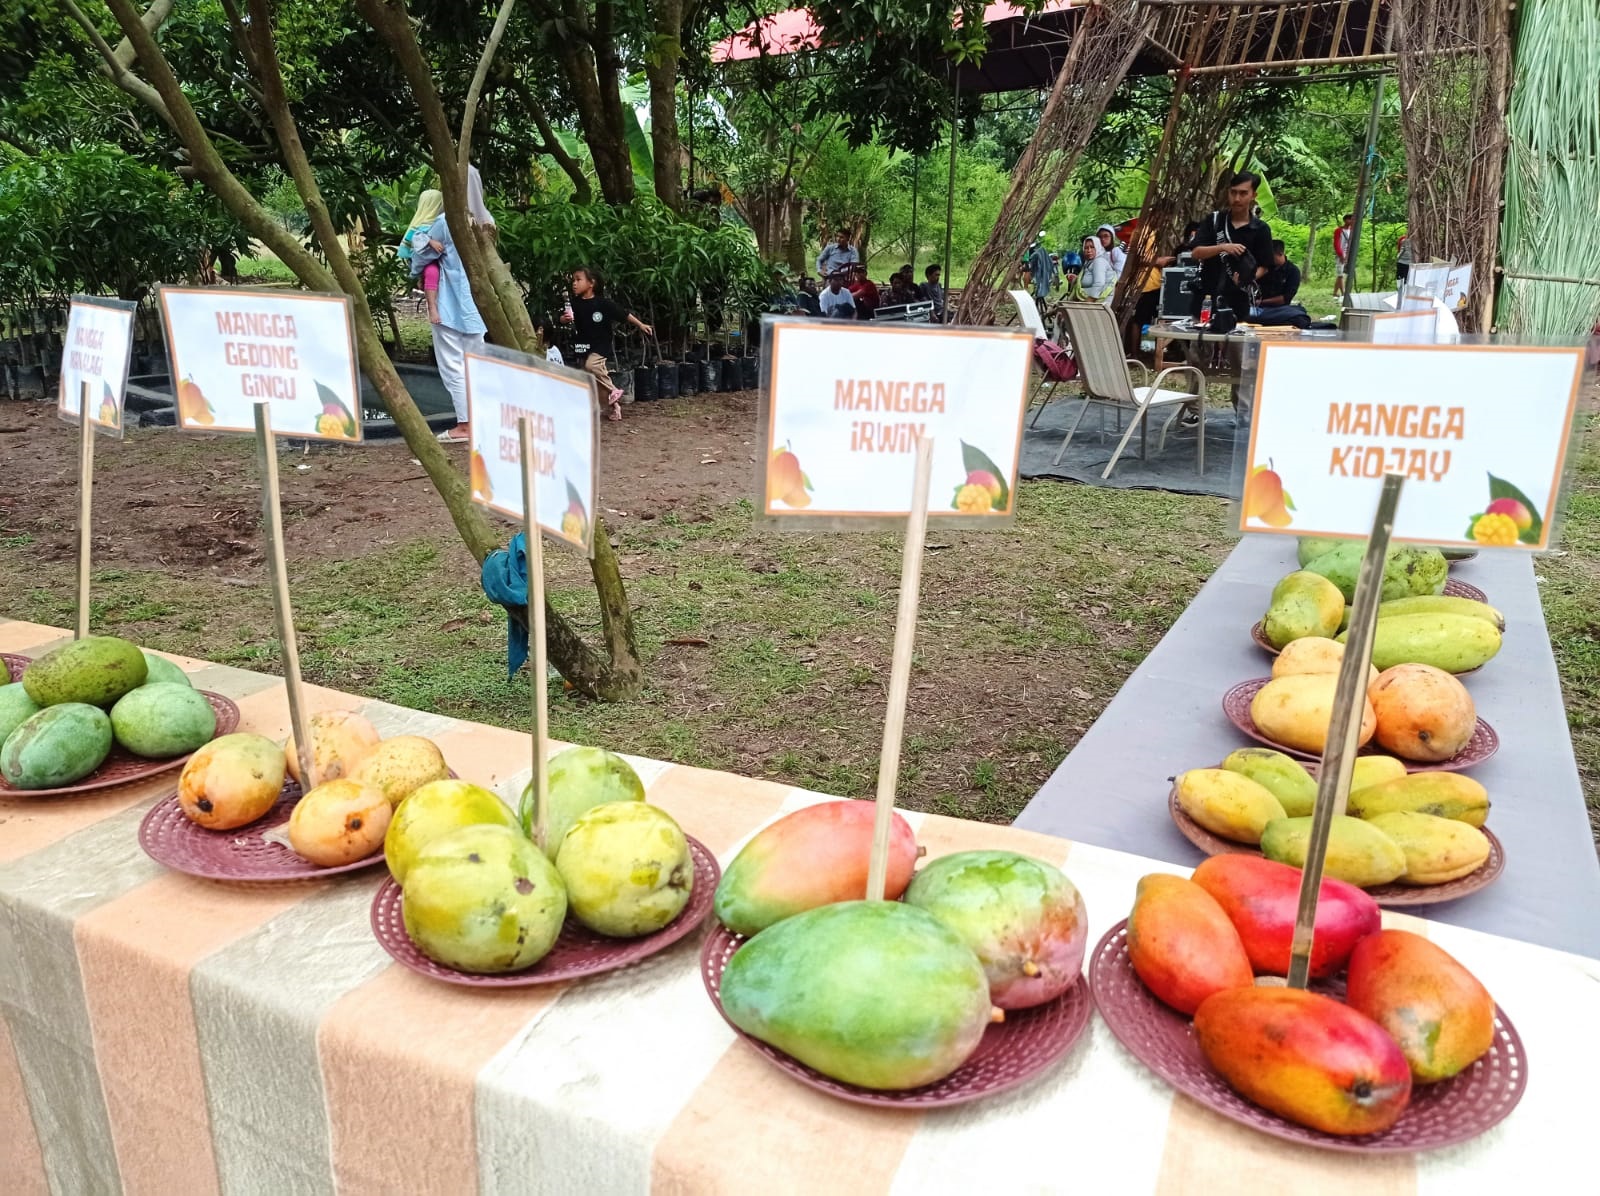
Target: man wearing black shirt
(594,321)
(1234,246)
(1279,285)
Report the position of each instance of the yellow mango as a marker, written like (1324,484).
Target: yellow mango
(1295,711)
(1282,776)
(1444,794)
(1436,849)
(1375,770)
(1358,852)
(1226,803)
(1314,654)
(1302,604)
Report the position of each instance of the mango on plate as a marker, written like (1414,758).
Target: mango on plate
(1443,604)
(579,779)
(1375,770)
(1305,1057)
(61,744)
(1454,643)
(1446,794)
(627,868)
(1436,849)
(1439,1013)
(1302,604)
(161,671)
(1407,570)
(813,856)
(1296,710)
(1181,943)
(163,719)
(1422,712)
(1283,776)
(1311,547)
(231,781)
(16,708)
(1021,916)
(875,993)
(1358,852)
(1313,654)
(1226,803)
(339,822)
(96,670)
(434,810)
(400,766)
(340,740)
(1262,899)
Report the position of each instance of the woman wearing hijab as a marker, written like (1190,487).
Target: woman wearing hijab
(430,206)
(1110,247)
(1098,278)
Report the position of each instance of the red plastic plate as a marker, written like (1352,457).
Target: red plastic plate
(1009,1054)
(14,665)
(1443,1114)
(578,951)
(1460,589)
(1392,895)
(122,767)
(242,854)
(1236,705)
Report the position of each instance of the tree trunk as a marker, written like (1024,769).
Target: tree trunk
(1311,248)
(661,68)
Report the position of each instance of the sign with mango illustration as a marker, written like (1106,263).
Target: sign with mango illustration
(846,403)
(231,348)
(95,350)
(1479,432)
(503,388)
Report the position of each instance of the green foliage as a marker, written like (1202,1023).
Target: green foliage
(96,221)
(649,260)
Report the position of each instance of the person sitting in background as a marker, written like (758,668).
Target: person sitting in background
(835,302)
(901,288)
(1277,289)
(837,255)
(547,334)
(863,291)
(1110,247)
(1097,278)
(933,291)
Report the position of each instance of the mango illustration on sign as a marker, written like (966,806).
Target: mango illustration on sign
(478,477)
(108,408)
(575,522)
(1510,518)
(193,406)
(335,422)
(786,482)
(1266,499)
(983,489)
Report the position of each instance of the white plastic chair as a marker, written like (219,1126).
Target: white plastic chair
(1104,371)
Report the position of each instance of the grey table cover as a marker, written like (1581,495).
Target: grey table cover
(1112,788)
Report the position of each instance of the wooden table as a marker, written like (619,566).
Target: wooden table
(172,1036)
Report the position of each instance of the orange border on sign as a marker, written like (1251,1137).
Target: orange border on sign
(904,330)
(289,296)
(128,310)
(585,384)
(1561,452)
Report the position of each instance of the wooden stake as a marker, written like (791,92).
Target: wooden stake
(85,507)
(282,612)
(541,689)
(905,634)
(1349,700)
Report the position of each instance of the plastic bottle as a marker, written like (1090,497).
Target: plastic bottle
(1205,312)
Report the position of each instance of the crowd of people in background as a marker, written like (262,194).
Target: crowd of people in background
(842,290)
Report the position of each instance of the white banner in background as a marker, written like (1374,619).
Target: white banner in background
(96,349)
(560,403)
(845,404)
(1479,432)
(232,348)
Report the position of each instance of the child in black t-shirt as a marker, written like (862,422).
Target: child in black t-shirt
(594,321)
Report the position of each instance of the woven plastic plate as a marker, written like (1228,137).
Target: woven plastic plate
(242,854)
(1009,1054)
(14,665)
(1236,705)
(1391,895)
(1452,589)
(122,767)
(578,951)
(1443,1114)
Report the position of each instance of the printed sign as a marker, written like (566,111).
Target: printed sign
(96,350)
(1479,432)
(1413,326)
(1457,286)
(560,403)
(232,348)
(847,403)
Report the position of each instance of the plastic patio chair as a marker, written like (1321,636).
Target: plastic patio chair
(1055,361)
(1097,345)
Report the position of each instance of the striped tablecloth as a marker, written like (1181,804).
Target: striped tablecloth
(172,1036)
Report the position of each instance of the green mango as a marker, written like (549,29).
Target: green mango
(1311,547)
(161,671)
(96,670)
(59,745)
(1454,643)
(1358,852)
(1407,572)
(1303,604)
(1282,776)
(874,993)
(163,719)
(579,779)
(16,708)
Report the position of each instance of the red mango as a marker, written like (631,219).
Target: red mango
(1305,1057)
(815,856)
(1181,944)
(1261,898)
(1439,1013)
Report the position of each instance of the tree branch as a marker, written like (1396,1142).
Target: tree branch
(475,91)
(114,68)
(152,20)
(582,193)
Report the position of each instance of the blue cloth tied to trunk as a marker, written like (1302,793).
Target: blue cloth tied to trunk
(505,581)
